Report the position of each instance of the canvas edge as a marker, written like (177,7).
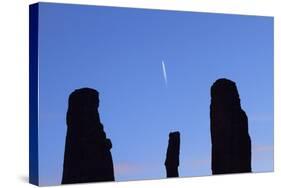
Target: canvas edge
(33,94)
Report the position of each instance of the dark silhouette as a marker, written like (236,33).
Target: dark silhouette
(87,156)
(172,155)
(231,143)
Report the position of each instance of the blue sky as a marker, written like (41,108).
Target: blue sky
(119,52)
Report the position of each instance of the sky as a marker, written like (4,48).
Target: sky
(122,53)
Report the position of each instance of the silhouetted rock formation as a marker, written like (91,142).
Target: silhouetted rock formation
(172,155)
(87,156)
(231,143)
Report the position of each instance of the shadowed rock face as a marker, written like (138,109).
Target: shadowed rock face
(231,143)
(172,155)
(87,156)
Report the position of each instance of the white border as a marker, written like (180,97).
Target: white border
(14,90)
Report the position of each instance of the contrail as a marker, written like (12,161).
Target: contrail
(164,73)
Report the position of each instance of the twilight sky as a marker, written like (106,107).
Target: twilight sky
(119,52)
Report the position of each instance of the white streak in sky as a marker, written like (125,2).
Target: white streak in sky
(164,73)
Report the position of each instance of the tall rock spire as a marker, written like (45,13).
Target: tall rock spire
(172,155)
(231,143)
(87,156)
